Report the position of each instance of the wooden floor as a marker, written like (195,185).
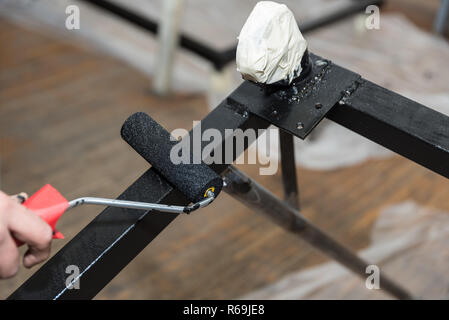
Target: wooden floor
(422,13)
(61,109)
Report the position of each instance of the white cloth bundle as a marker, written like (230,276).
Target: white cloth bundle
(270,45)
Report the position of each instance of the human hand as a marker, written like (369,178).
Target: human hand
(18,222)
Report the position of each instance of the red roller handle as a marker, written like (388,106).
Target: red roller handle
(48,204)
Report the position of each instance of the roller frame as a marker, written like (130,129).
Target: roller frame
(115,237)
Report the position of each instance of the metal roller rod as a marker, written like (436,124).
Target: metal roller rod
(256,197)
(142,205)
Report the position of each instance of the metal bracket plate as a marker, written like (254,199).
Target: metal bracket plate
(301,106)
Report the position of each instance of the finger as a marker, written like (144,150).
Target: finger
(35,256)
(28,227)
(20,197)
(9,262)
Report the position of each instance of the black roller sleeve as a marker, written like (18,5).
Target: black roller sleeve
(153,143)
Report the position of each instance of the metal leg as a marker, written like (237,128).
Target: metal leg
(168,41)
(288,166)
(256,197)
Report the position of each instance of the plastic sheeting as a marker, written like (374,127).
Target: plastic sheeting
(408,243)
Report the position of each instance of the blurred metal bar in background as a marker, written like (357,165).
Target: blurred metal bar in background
(220,59)
(168,42)
(442,16)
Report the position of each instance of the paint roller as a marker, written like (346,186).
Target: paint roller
(200,184)
(153,143)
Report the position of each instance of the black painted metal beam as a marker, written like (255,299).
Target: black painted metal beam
(402,125)
(288,166)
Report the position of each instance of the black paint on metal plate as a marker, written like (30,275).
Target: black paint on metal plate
(299,107)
